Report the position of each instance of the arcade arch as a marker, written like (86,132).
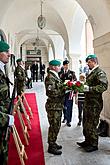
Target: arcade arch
(59,16)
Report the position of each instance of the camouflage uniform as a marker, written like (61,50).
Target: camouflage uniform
(54,105)
(4,103)
(93,104)
(21,77)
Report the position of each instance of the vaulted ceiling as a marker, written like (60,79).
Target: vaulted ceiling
(63,18)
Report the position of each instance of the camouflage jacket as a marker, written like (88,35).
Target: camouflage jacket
(54,91)
(20,74)
(98,83)
(4,101)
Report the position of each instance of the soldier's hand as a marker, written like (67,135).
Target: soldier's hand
(86,88)
(67,91)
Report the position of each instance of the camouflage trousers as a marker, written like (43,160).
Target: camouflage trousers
(90,121)
(54,119)
(3,152)
(20,88)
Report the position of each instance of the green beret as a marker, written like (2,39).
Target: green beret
(54,63)
(91,56)
(4,46)
(19,60)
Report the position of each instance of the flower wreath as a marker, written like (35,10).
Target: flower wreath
(75,86)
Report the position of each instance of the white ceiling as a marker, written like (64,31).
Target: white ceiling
(63,17)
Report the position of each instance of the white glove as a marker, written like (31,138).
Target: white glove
(11,120)
(67,91)
(86,88)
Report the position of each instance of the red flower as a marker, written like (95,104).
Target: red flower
(78,84)
(69,84)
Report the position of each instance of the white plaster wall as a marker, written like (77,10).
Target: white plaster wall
(50,54)
(102,49)
(98,12)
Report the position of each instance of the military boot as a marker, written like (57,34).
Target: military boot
(91,148)
(53,150)
(82,144)
(58,147)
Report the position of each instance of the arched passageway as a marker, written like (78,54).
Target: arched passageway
(64,23)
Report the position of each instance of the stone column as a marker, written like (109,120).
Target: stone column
(74,63)
(24,58)
(50,53)
(102,50)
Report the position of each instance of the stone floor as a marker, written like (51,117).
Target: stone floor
(71,153)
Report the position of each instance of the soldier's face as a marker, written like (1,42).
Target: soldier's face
(4,57)
(91,64)
(57,68)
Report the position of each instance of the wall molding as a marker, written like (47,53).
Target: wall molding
(103,40)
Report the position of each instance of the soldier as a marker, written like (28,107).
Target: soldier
(67,74)
(5,119)
(96,83)
(54,105)
(20,76)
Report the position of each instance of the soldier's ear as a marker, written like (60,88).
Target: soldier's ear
(54,67)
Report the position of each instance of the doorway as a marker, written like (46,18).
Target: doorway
(31,60)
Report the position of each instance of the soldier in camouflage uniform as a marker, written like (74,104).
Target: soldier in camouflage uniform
(54,105)
(96,84)
(5,119)
(20,76)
